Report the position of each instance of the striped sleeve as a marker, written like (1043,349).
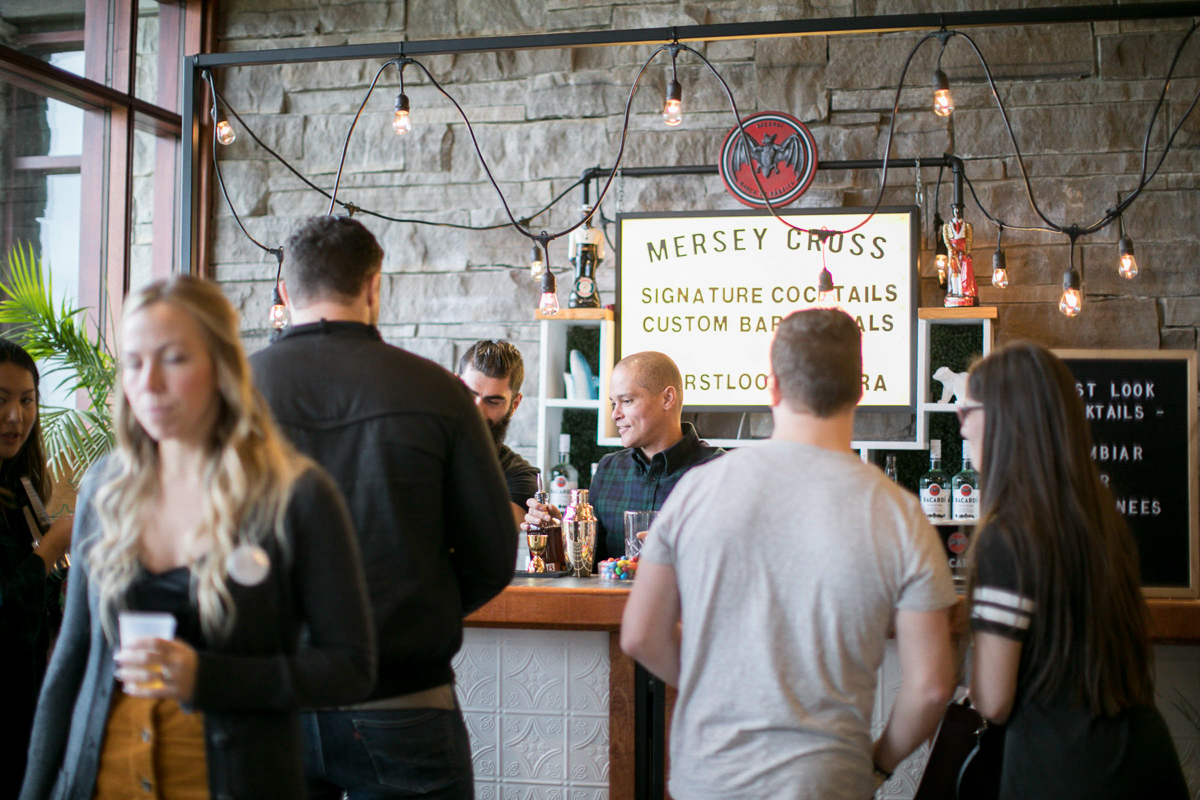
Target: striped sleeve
(997,604)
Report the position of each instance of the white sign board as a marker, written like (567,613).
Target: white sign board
(708,289)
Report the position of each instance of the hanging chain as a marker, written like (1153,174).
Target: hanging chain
(620,189)
(920,191)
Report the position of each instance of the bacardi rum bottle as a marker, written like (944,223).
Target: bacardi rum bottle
(934,486)
(552,557)
(563,476)
(965,488)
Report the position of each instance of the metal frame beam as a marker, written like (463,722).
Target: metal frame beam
(891,23)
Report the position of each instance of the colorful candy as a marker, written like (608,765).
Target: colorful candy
(618,569)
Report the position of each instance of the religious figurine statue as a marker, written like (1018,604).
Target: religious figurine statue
(960,273)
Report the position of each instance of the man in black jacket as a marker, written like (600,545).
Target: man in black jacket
(418,468)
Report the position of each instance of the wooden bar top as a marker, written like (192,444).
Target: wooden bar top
(586,604)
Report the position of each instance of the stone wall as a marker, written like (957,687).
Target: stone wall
(1079,96)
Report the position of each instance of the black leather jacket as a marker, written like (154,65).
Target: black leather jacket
(413,457)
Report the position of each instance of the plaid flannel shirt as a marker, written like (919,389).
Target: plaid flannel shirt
(627,481)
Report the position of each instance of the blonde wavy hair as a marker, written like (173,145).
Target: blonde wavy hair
(249,471)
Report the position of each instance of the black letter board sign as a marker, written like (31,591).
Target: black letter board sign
(1141,406)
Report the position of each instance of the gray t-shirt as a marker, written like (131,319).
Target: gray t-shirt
(791,561)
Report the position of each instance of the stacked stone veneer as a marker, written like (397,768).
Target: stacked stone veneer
(1079,96)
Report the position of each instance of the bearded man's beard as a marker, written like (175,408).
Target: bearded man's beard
(499,430)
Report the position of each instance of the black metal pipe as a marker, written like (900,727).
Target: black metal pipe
(711,169)
(189,140)
(706,33)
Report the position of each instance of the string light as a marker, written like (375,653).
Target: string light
(225,133)
(548,305)
(941,256)
(537,264)
(1071,302)
(1128,267)
(401,122)
(672,113)
(279,313)
(999,267)
(825,287)
(943,103)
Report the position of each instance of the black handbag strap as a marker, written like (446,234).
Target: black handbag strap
(966,765)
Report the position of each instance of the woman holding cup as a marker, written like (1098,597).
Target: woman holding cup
(206,515)
(29,593)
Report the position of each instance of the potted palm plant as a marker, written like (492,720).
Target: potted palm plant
(61,339)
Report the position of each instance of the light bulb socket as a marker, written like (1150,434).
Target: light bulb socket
(940,82)
(402,102)
(998,260)
(939,243)
(535,256)
(276,297)
(1125,246)
(825,280)
(549,285)
(1071,279)
(674,90)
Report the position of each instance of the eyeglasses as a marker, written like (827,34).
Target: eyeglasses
(964,411)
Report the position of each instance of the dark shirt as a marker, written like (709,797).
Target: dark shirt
(626,481)
(520,475)
(403,440)
(1059,750)
(171,592)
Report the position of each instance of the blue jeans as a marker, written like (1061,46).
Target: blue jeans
(381,755)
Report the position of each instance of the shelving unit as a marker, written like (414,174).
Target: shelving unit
(553,362)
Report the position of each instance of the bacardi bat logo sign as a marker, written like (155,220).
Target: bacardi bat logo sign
(779,148)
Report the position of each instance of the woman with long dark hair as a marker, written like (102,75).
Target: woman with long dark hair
(28,594)
(1062,652)
(205,513)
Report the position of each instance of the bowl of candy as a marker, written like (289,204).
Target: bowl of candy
(618,569)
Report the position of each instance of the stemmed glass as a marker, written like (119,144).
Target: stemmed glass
(537,546)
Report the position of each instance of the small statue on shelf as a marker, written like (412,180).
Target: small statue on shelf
(960,272)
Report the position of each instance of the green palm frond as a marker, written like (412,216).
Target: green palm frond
(59,340)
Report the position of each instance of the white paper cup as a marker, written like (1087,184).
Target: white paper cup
(134,626)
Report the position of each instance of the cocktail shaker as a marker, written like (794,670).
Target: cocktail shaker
(579,534)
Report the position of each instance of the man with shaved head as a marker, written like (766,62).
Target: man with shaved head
(646,392)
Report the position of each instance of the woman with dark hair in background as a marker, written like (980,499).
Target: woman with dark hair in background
(205,513)
(1062,652)
(28,595)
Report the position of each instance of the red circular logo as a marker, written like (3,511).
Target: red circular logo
(779,148)
(957,542)
(934,490)
(965,491)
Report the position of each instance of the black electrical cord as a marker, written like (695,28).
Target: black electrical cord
(487,170)
(357,209)
(399,64)
(276,251)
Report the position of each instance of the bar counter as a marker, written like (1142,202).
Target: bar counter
(552,704)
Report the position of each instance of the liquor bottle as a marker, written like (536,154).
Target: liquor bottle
(563,476)
(579,534)
(587,250)
(552,558)
(934,486)
(889,469)
(965,489)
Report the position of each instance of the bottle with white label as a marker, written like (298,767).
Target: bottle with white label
(965,489)
(934,486)
(563,476)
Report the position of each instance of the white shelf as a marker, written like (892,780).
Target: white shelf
(952,523)
(562,402)
(949,408)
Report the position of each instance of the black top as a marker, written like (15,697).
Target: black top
(413,457)
(1059,751)
(29,613)
(171,592)
(628,481)
(519,474)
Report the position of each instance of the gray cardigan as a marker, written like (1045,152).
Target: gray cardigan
(249,686)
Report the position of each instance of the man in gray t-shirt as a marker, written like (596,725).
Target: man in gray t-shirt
(788,563)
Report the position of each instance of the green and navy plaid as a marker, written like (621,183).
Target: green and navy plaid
(626,481)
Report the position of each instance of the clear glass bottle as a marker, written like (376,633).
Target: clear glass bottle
(889,468)
(563,476)
(965,489)
(934,486)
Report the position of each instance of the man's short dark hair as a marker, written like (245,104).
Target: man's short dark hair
(495,358)
(329,258)
(817,359)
